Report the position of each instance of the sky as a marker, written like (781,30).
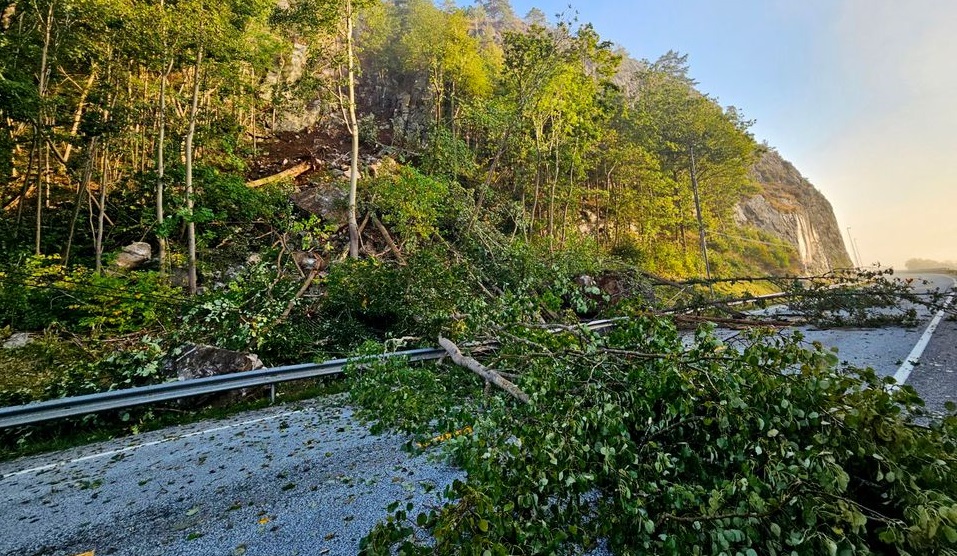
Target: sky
(861,95)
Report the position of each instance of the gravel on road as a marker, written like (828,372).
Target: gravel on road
(306,480)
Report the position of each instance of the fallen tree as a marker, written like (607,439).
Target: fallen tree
(638,442)
(287,174)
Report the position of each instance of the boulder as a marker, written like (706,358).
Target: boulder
(327,201)
(17,340)
(134,255)
(201,361)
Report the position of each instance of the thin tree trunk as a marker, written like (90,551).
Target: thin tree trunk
(191,131)
(81,190)
(551,206)
(161,170)
(101,215)
(354,129)
(26,180)
(701,234)
(48,24)
(489,375)
(78,115)
(39,212)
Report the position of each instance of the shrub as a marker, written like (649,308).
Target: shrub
(410,202)
(242,314)
(40,292)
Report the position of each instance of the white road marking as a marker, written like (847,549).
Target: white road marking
(133,447)
(903,373)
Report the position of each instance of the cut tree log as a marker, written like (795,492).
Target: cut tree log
(288,173)
(489,375)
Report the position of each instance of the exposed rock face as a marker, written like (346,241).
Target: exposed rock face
(791,208)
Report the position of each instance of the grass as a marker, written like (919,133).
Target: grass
(27,372)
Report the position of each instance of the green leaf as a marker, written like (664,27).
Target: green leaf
(950,533)
(483,525)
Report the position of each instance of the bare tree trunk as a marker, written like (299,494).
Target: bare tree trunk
(78,115)
(161,170)
(701,234)
(26,180)
(48,24)
(39,213)
(551,206)
(191,131)
(101,215)
(354,129)
(489,375)
(81,190)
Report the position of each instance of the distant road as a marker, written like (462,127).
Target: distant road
(883,349)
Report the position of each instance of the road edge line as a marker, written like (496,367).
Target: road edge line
(903,373)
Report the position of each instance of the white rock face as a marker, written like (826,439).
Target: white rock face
(792,209)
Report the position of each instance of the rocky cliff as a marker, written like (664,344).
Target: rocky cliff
(789,207)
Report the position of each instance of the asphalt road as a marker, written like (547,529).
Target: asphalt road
(279,481)
(306,480)
(935,374)
(883,349)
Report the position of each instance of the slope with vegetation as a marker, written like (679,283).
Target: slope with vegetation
(324,173)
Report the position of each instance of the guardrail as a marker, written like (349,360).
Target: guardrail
(121,399)
(39,412)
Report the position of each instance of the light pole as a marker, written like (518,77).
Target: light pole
(857,254)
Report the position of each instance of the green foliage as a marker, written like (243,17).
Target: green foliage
(242,314)
(392,394)
(410,202)
(368,298)
(634,440)
(40,292)
(138,364)
(448,157)
(32,370)
(227,211)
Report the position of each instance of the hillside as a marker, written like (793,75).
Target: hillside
(790,208)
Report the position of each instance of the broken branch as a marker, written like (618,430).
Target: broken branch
(489,375)
(388,239)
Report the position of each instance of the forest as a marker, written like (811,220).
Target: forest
(304,178)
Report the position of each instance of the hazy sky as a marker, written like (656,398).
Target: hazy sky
(861,95)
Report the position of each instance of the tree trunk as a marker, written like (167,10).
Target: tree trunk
(81,190)
(161,170)
(41,91)
(78,115)
(354,129)
(701,235)
(191,131)
(488,374)
(101,215)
